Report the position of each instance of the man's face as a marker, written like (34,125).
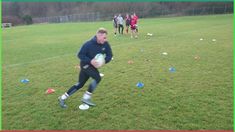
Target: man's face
(101,38)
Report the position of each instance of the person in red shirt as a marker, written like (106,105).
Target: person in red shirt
(133,26)
(136,18)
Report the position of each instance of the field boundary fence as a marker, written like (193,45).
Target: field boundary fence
(98,16)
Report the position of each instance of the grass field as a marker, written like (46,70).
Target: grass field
(198,95)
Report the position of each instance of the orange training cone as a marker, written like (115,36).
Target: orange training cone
(50,90)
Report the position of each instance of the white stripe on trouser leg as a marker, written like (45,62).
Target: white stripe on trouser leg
(87,95)
(64,96)
(76,84)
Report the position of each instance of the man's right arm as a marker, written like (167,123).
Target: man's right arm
(82,54)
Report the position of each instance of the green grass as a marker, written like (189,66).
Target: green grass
(199,95)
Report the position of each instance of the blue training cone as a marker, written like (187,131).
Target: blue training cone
(172,69)
(140,85)
(24,80)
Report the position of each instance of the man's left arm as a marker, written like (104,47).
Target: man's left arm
(109,53)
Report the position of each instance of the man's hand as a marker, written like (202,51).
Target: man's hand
(94,63)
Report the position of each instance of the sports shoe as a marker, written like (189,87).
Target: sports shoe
(88,102)
(62,103)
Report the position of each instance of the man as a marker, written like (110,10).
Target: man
(98,44)
(136,19)
(115,24)
(133,27)
(128,22)
(120,22)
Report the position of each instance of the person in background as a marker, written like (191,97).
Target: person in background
(115,25)
(136,19)
(128,22)
(120,22)
(133,27)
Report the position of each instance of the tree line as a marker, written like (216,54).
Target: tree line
(23,12)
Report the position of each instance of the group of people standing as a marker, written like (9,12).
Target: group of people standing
(130,22)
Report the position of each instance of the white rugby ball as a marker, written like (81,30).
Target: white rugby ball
(100,59)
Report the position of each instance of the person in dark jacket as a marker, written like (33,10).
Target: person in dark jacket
(128,22)
(115,25)
(89,67)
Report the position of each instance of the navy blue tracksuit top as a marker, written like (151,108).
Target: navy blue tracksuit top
(91,48)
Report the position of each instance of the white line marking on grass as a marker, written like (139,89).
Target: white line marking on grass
(36,61)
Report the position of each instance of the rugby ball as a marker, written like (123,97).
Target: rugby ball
(100,59)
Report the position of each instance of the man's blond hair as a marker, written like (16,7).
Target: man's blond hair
(102,31)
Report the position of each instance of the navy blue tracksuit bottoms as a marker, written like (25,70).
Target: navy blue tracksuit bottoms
(86,72)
